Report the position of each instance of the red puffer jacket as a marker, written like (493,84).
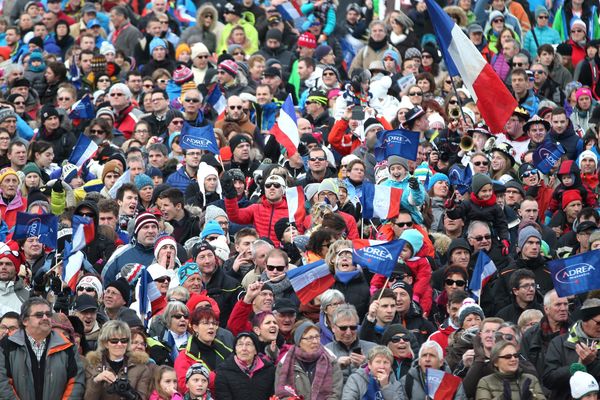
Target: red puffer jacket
(263,215)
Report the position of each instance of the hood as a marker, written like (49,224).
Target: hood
(92,206)
(207,7)
(205,170)
(570,167)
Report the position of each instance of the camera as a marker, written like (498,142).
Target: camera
(121,387)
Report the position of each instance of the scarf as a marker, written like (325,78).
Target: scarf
(373,388)
(483,203)
(322,383)
(249,370)
(346,277)
(377,45)
(280,287)
(397,38)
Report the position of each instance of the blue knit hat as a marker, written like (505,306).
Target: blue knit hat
(393,54)
(153,171)
(414,238)
(157,42)
(186,270)
(143,180)
(439,177)
(211,228)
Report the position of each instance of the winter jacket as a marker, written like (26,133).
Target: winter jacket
(125,39)
(471,210)
(351,227)
(9,211)
(263,215)
(564,17)
(569,140)
(244,123)
(186,228)
(239,319)
(340,350)
(588,197)
(224,290)
(356,292)
(194,34)
(138,374)
(63,374)
(535,342)
(126,120)
(412,199)
(13,294)
(131,253)
(544,35)
(492,386)
(180,179)
(231,383)
(415,380)
(358,384)
(560,74)
(342,139)
(513,311)
(413,321)
(249,30)
(366,55)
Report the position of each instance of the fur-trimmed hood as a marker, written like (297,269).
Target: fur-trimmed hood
(441,242)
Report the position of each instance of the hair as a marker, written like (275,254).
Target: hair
(9,315)
(201,313)
(28,304)
(380,350)
(455,269)
(158,374)
(527,316)
(329,296)
(548,297)
(172,308)
(317,238)
(259,318)
(133,73)
(457,297)
(111,329)
(126,187)
(67,87)
(474,224)
(254,246)
(518,275)
(278,253)
(138,330)
(519,71)
(256,58)
(547,48)
(429,78)
(243,233)
(174,195)
(180,291)
(381,294)
(559,111)
(15,143)
(160,72)
(587,213)
(332,252)
(309,61)
(345,311)
(103,124)
(158,147)
(334,222)
(108,205)
(58,69)
(121,10)
(37,146)
(491,320)
(430,344)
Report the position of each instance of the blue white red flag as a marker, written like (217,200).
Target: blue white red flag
(84,149)
(216,99)
(380,201)
(83,231)
(294,197)
(72,263)
(493,99)
(285,129)
(483,272)
(310,280)
(148,295)
(380,258)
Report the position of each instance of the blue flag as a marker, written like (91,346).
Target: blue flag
(83,109)
(373,390)
(547,155)
(378,258)
(202,138)
(43,226)
(399,142)
(460,177)
(577,274)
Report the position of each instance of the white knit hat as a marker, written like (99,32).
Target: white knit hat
(582,383)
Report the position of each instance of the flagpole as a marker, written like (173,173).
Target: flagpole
(384,287)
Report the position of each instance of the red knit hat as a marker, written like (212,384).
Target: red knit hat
(230,67)
(182,74)
(308,40)
(570,196)
(6,251)
(196,298)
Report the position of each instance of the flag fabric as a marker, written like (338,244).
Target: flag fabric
(148,295)
(216,99)
(285,129)
(493,99)
(398,142)
(378,258)
(577,274)
(380,201)
(547,155)
(83,231)
(373,390)
(125,178)
(294,197)
(74,73)
(43,226)
(460,177)
(83,109)
(310,280)
(288,11)
(441,385)
(202,138)
(84,149)
(483,272)
(72,263)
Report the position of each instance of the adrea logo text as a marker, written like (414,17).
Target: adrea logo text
(376,254)
(574,273)
(34,226)
(196,142)
(399,139)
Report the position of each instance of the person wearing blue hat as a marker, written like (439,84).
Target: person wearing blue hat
(145,187)
(159,57)
(211,231)
(439,189)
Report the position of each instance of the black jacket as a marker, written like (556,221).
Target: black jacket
(62,142)
(535,342)
(224,290)
(233,383)
(413,321)
(569,140)
(187,228)
(513,311)
(356,292)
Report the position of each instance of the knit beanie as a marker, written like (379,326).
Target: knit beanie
(281,226)
(329,185)
(221,247)
(164,241)
(131,272)
(526,233)
(252,337)
(6,113)
(237,140)
(69,172)
(112,166)
(275,34)
(404,286)
(181,48)
(156,271)
(322,51)
(230,67)
(122,286)
(479,181)
(587,154)
(211,228)
(186,270)
(91,281)
(540,10)
(6,172)
(155,43)
(182,74)
(143,219)
(213,212)
(467,308)
(48,111)
(392,331)
(372,123)
(197,368)
(307,40)
(395,160)
(199,49)
(107,48)
(438,177)
(581,382)
(143,180)
(414,238)
(31,167)
(411,53)
(570,196)
(513,184)
(303,327)
(578,23)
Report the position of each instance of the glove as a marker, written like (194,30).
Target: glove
(413,183)
(526,393)
(227,186)
(506,391)
(505,247)
(57,187)
(62,305)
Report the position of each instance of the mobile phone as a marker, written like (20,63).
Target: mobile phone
(357,350)
(358,113)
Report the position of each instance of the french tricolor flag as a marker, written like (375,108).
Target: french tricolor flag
(311,280)
(482,273)
(84,149)
(295,202)
(288,11)
(286,128)
(380,201)
(149,298)
(72,263)
(493,99)
(216,99)
(83,232)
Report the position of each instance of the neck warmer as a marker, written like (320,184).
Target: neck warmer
(397,38)
(483,203)
(377,45)
(346,277)
(278,287)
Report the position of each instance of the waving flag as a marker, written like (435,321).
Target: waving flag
(83,109)
(441,385)
(125,178)
(43,226)
(148,295)
(295,202)
(72,263)
(577,274)
(399,142)
(83,232)
(547,155)
(379,258)
(198,138)
(311,280)
(493,99)
(483,272)
(290,13)
(286,127)
(216,99)
(380,201)
(84,149)
(74,74)
(460,177)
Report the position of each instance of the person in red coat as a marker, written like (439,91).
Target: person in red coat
(258,298)
(11,201)
(264,214)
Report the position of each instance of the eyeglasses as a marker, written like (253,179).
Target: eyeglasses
(62,99)
(480,163)
(203,56)
(538,71)
(11,329)
(149,85)
(426,56)
(42,314)
(517,64)
(346,327)
(398,339)
(19,103)
(527,286)
(313,159)
(103,80)
(312,338)
(481,238)
(88,289)
(509,356)
(116,94)
(141,131)
(270,185)
(577,31)
(497,20)
(529,173)
(164,22)
(453,102)
(279,268)
(209,16)
(235,107)
(193,100)
(174,122)
(543,17)
(415,94)
(163,279)
(403,224)
(459,282)
(179,316)
(118,340)
(97,132)
(328,74)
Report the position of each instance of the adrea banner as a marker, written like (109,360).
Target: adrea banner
(577,274)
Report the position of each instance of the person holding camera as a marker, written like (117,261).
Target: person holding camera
(114,372)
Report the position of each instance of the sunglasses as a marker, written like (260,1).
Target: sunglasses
(398,339)
(115,95)
(543,17)
(270,185)
(416,94)
(481,238)
(235,107)
(118,340)
(403,224)
(459,282)
(96,131)
(203,56)
(149,85)
(209,16)
(577,31)
(497,20)
(509,356)
(194,100)
(426,56)
(179,316)
(328,74)
(346,327)
(84,214)
(517,64)
(104,80)
(88,289)
(238,53)
(538,71)
(42,314)
(19,103)
(64,99)
(163,279)
(453,102)
(480,163)
(279,268)
(317,159)
(527,174)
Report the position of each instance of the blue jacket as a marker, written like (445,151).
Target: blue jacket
(180,179)
(545,35)
(411,199)
(131,253)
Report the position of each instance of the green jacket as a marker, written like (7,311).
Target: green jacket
(250,32)
(492,386)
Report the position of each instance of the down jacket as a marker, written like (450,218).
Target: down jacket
(492,386)
(232,383)
(358,383)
